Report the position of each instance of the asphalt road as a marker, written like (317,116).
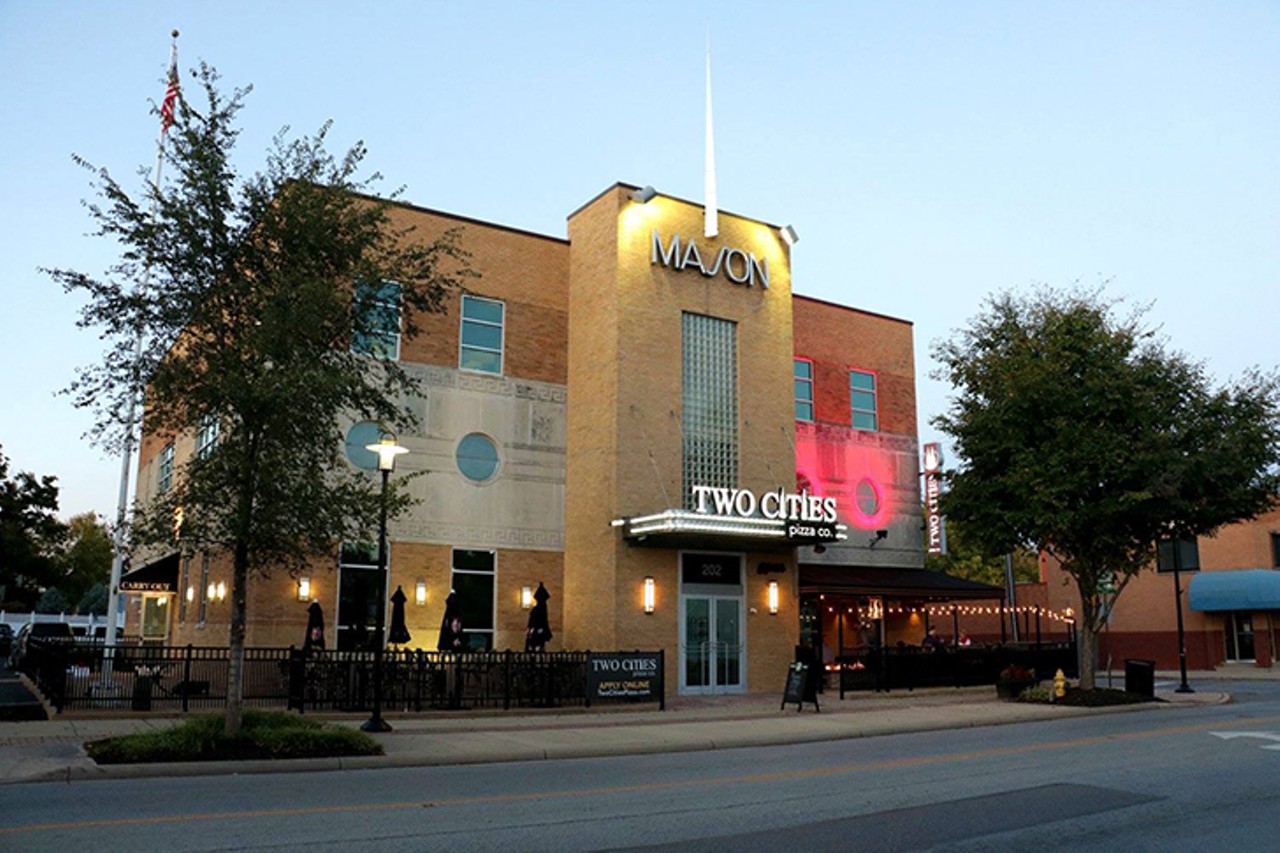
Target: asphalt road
(1152,780)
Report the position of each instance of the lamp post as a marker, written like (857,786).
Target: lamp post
(387,451)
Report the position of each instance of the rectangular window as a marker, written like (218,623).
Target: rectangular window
(375,326)
(207,435)
(1182,554)
(862,400)
(164,474)
(474,573)
(1275,550)
(182,588)
(709,403)
(482,333)
(203,591)
(804,390)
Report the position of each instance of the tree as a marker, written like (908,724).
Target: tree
(52,601)
(248,295)
(85,562)
(967,558)
(1078,433)
(30,534)
(94,601)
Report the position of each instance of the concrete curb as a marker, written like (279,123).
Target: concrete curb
(646,738)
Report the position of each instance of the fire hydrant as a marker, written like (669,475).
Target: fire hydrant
(1059,685)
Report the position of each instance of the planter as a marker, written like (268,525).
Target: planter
(1012,689)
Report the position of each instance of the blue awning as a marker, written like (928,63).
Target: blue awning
(1238,589)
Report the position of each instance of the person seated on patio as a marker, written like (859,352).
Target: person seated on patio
(964,639)
(931,640)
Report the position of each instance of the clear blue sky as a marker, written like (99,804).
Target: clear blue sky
(927,153)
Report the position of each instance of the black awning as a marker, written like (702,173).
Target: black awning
(158,576)
(892,583)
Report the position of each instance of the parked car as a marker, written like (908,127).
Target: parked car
(43,630)
(6,639)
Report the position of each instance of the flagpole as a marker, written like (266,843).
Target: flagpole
(126,458)
(711,217)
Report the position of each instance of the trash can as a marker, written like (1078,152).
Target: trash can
(1140,678)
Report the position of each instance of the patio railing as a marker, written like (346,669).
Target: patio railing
(89,676)
(910,667)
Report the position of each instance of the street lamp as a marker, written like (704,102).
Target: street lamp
(387,450)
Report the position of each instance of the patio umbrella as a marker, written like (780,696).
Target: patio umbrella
(399,634)
(539,631)
(451,639)
(314,640)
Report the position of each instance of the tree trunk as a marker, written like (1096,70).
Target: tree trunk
(235,651)
(1088,635)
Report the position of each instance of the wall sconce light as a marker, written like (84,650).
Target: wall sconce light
(773,598)
(649,595)
(789,235)
(526,598)
(211,594)
(420,593)
(644,195)
(191,594)
(304,589)
(221,591)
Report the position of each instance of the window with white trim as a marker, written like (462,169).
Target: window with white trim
(862,400)
(164,471)
(207,435)
(376,320)
(804,389)
(480,346)
(474,575)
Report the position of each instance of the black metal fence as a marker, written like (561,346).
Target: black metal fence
(89,676)
(910,667)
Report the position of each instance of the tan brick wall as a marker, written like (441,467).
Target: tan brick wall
(528,272)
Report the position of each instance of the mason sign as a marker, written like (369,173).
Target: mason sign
(738,266)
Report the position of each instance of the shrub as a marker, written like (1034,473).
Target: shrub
(263,734)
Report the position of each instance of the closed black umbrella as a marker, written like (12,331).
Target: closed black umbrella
(399,633)
(539,631)
(451,638)
(314,640)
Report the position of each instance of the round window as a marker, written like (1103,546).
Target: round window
(477,457)
(868,498)
(358,438)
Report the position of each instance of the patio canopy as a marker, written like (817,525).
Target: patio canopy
(892,583)
(1238,589)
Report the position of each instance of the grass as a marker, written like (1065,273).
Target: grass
(263,734)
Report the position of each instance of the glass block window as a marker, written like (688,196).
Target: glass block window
(474,573)
(804,390)
(376,320)
(164,473)
(862,399)
(709,414)
(207,435)
(481,341)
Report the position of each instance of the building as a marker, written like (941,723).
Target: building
(648,422)
(1230,599)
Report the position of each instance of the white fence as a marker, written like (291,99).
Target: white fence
(17,620)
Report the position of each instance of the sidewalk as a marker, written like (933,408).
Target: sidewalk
(51,750)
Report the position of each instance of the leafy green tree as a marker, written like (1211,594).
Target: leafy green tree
(30,534)
(1078,432)
(94,601)
(246,295)
(967,558)
(52,601)
(86,560)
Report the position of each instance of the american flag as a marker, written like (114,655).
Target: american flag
(170,96)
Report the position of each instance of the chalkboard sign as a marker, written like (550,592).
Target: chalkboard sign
(801,687)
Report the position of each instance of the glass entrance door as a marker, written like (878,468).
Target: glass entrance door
(155,619)
(1240,636)
(712,646)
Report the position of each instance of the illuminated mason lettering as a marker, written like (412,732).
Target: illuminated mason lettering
(739,267)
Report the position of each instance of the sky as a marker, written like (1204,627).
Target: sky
(928,154)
